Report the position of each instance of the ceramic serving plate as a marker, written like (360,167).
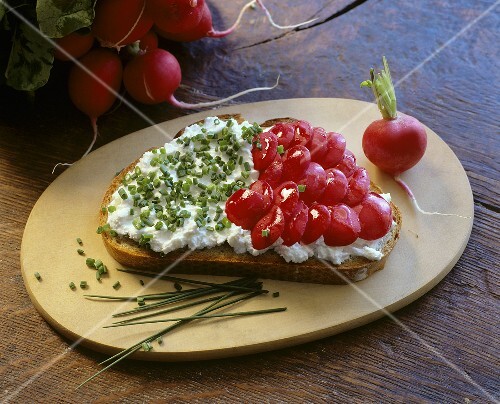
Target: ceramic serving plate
(428,248)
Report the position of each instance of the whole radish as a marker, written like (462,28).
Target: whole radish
(118,23)
(175,16)
(203,28)
(94,83)
(73,46)
(153,77)
(397,142)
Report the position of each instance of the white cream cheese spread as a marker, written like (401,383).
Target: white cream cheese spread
(175,197)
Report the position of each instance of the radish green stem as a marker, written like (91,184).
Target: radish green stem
(179,104)
(383,90)
(407,189)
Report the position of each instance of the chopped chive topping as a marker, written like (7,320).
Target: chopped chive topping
(302,187)
(141,282)
(79,241)
(265,233)
(146,346)
(72,285)
(111,208)
(276,294)
(90,262)
(281,149)
(177,286)
(80,251)
(38,276)
(116,285)
(83,284)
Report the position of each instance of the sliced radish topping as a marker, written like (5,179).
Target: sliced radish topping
(245,207)
(285,133)
(313,183)
(375,216)
(295,225)
(359,185)
(335,189)
(273,173)
(265,146)
(295,162)
(303,133)
(268,229)
(318,144)
(286,196)
(348,164)
(265,190)
(344,226)
(335,149)
(318,220)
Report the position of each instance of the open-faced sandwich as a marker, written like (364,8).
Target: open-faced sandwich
(280,200)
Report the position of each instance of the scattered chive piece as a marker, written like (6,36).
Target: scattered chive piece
(80,251)
(141,282)
(159,340)
(72,285)
(140,301)
(265,233)
(90,262)
(116,285)
(276,294)
(37,276)
(83,284)
(177,286)
(281,149)
(146,346)
(301,187)
(79,241)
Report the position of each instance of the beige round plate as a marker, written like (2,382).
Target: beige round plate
(429,247)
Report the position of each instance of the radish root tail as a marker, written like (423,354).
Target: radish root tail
(93,122)
(270,18)
(220,34)
(179,104)
(407,189)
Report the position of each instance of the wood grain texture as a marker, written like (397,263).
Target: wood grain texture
(454,90)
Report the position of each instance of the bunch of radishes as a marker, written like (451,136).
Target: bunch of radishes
(122,48)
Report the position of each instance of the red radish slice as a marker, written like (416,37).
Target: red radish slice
(264,189)
(344,226)
(295,225)
(286,196)
(318,220)
(335,149)
(285,133)
(318,144)
(359,185)
(314,182)
(303,133)
(295,162)
(265,146)
(375,217)
(273,173)
(335,189)
(244,208)
(348,164)
(268,229)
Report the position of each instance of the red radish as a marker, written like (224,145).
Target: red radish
(335,189)
(335,149)
(295,162)
(118,23)
(375,217)
(348,164)
(397,142)
(273,173)
(344,226)
(359,185)
(245,207)
(264,189)
(264,149)
(202,29)
(268,229)
(175,16)
(94,83)
(152,78)
(303,133)
(318,220)
(314,181)
(149,41)
(295,225)
(73,46)
(284,132)
(286,196)
(318,144)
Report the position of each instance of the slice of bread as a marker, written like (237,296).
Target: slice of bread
(222,260)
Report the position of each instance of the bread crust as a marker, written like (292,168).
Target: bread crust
(222,260)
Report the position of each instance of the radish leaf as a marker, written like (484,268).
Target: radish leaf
(58,18)
(30,60)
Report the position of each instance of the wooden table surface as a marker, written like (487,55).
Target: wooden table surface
(445,57)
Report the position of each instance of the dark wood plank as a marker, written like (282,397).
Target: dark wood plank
(455,92)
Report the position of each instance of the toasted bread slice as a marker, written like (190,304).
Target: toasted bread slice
(222,260)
